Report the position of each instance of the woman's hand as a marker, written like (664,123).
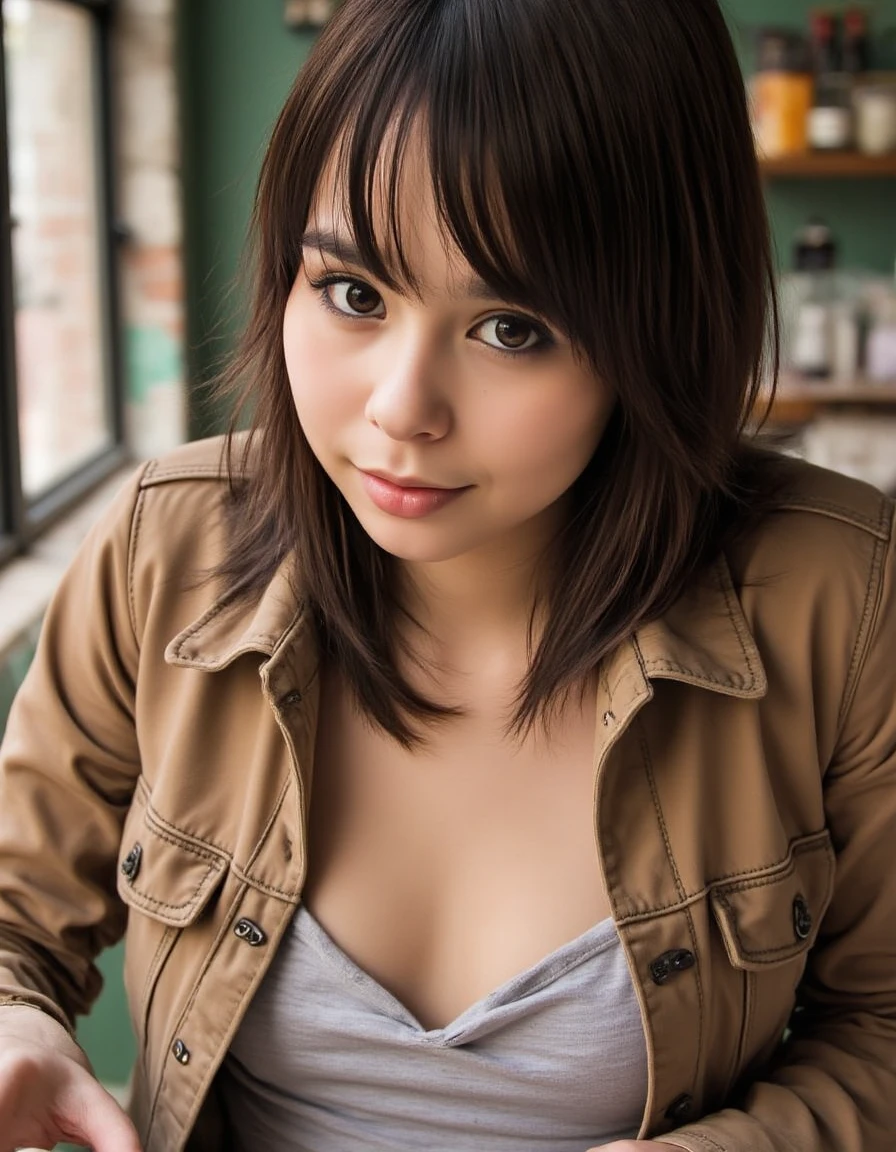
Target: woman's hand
(47,1091)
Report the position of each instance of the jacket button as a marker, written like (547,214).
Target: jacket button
(802,918)
(180,1052)
(670,964)
(249,931)
(290,699)
(680,1109)
(130,866)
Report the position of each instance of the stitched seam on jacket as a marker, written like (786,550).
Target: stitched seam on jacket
(208,615)
(186,905)
(705,1140)
(208,849)
(787,869)
(196,985)
(730,602)
(158,828)
(241,991)
(133,544)
(215,866)
(671,666)
(287,894)
(263,839)
(749,979)
(735,617)
(167,935)
(764,955)
(185,472)
(651,780)
(248,645)
(838,511)
(166,943)
(871,608)
(774,874)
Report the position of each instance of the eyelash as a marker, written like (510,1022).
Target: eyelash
(545,340)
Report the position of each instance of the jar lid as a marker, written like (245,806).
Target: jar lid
(781,50)
(815,249)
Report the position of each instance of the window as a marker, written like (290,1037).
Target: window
(60,410)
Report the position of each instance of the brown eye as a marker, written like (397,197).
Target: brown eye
(513,333)
(350,297)
(362,299)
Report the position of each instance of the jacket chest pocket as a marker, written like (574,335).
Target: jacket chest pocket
(167,880)
(769,923)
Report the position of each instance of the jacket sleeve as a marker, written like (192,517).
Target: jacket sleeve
(833,1087)
(69,763)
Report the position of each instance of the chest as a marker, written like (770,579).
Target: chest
(446,870)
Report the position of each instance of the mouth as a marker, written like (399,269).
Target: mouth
(407,497)
(410,481)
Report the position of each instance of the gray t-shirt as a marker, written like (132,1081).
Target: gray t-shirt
(326,1060)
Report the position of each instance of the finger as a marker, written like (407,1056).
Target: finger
(90,1116)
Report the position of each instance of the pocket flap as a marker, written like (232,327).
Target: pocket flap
(163,873)
(772,917)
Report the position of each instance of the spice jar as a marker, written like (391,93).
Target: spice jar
(782,92)
(815,256)
(875,107)
(830,118)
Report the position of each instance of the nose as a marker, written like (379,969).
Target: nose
(406,399)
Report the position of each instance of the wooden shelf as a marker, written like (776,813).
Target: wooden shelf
(825,164)
(798,400)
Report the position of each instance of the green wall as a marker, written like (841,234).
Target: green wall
(238,60)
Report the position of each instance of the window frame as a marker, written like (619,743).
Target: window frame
(23,520)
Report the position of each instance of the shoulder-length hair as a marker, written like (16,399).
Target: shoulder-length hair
(592,159)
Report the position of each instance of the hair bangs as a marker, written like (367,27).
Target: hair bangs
(498,166)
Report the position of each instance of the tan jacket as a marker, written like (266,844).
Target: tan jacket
(156,775)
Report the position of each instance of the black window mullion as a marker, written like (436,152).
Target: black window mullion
(12,503)
(112,230)
(21,520)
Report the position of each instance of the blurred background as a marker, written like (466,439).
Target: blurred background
(131,133)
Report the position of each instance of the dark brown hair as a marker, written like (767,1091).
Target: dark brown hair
(593,160)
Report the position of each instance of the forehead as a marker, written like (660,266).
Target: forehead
(400,234)
(418,217)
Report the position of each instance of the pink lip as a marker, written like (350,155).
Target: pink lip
(406,497)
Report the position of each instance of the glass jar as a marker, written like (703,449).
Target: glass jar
(875,109)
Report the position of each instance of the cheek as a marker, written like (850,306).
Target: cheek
(312,367)
(549,443)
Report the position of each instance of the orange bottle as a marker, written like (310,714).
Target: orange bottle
(782,93)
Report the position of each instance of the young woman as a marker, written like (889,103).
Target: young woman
(496,748)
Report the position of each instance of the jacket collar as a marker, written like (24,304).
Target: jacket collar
(228,629)
(703,639)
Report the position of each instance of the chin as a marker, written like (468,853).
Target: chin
(404,547)
(416,541)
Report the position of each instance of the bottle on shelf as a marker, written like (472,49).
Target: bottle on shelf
(873,99)
(875,107)
(781,93)
(830,120)
(881,354)
(813,285)
(855,46)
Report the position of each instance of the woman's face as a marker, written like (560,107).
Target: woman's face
(451,421)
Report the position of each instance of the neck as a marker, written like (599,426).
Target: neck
(474,614)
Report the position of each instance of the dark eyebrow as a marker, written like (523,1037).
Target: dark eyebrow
(345,250)
(338,247)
